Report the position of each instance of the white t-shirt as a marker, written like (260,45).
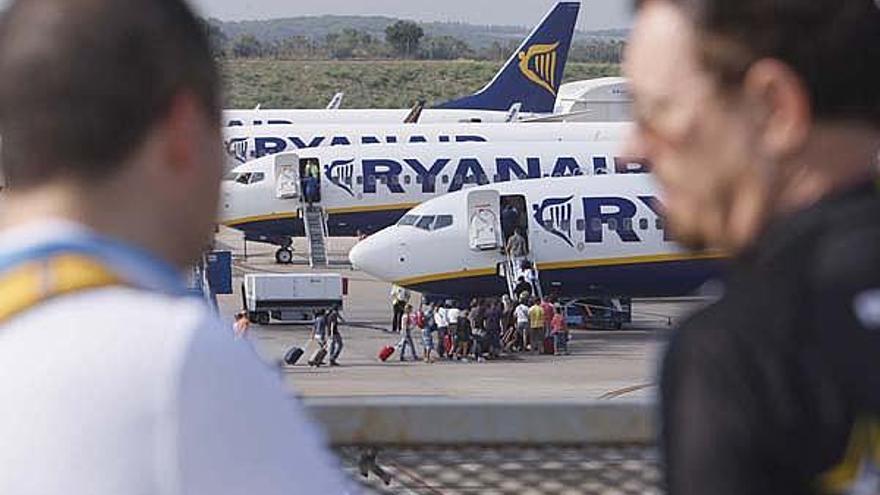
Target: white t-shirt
(522,313)
(452,315)
(122,391)
(440,317)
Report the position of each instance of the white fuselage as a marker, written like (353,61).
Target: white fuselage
(366,188)
(588,235)
(244,144)
(237,117)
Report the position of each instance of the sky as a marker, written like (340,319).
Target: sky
(595,14)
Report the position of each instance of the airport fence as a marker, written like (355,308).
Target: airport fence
(443,446)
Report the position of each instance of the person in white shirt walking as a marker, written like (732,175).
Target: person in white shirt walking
(109,113)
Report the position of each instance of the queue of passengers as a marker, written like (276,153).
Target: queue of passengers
(485,330)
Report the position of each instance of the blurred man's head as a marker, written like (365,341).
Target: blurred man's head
(737,101)
(115,99)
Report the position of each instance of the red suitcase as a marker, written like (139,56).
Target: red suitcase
(549,345)
(386,353)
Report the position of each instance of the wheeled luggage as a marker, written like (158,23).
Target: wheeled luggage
(386,353)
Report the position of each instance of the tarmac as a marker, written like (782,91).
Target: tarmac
(602,365)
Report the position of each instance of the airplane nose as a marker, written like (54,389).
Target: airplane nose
(373,255)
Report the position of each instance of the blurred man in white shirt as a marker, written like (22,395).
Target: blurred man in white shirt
(112,379)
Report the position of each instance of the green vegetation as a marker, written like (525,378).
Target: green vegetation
(367,84)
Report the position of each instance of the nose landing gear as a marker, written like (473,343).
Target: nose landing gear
(284,256)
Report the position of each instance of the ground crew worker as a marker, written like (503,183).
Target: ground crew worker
(399,299)
(762,123)
(109,113)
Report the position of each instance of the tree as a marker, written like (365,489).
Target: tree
(247,46)
(216,37)
(404,37)
(445,48)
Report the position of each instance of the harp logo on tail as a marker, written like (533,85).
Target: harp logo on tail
(340,173)
(538,64)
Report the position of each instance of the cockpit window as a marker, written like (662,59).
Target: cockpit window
(408,220)
(425,222)
(257,177)
(243,178)
(442,222)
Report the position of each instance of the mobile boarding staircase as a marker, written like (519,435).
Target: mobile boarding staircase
(316,233)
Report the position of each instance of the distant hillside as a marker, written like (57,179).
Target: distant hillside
(317,28)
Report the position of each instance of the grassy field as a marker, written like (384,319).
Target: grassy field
(373,84)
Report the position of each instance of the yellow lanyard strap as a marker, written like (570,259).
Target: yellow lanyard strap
(31,284)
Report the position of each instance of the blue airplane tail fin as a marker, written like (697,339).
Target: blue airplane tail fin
(533,74)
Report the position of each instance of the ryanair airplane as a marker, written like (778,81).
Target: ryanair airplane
(530,78)
(599,236)
(244,144)
(363,189)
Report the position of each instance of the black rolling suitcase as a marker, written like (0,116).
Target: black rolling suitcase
(318,357)
(292,356)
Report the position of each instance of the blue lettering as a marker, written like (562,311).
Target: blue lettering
(279,122)
(657,207)
(507,165)
(620,221)
(388,169)
(370,140)
(470,139)
(418,139)
(429,177)
(391,139)
(268,146)
(600,165)
(235,123)
(566,166)
(469,171)
(300,144)
(340,141)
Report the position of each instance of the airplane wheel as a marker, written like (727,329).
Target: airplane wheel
(284,256)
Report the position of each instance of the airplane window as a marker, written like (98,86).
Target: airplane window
(643,224)
(580,225)
(407,179)
(612,224)
(243,178)
(360,179)
(425,222)
(257,177)
(659,224)
(408,220)
(442,222)
(418,179)
(596,225)
(627,224)
(445,179)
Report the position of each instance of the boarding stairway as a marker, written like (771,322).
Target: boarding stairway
(512,272)
(316,234)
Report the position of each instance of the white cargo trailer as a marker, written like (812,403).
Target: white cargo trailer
(291,297)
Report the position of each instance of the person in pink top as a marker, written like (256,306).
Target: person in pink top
(549,312)
(559,330)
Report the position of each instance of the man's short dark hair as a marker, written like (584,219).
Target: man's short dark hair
(82,82)
(833,45)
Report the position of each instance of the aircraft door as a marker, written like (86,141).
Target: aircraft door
(287,180)
(484,220)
